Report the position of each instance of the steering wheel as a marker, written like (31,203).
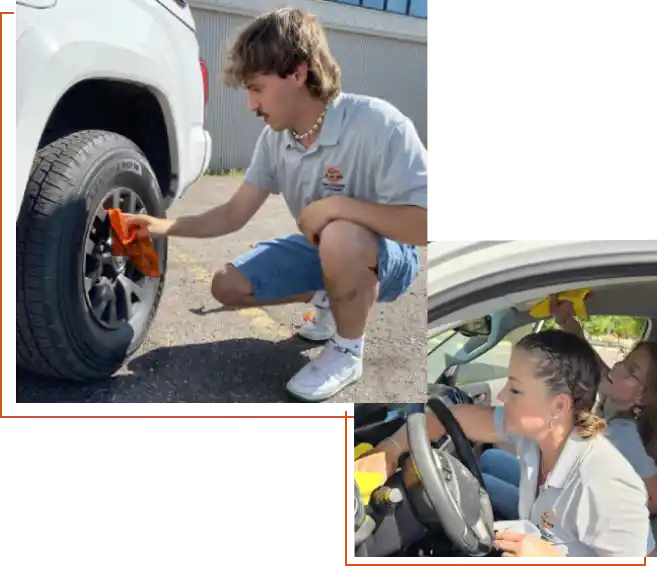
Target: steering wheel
(447,492)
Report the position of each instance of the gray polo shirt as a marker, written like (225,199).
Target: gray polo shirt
(593,502)
(367,149)
(624,435)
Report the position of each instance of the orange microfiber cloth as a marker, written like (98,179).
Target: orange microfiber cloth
(126,243)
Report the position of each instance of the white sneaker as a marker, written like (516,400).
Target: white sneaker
(326,375)
(321,327)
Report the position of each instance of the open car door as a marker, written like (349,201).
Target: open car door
(468,280)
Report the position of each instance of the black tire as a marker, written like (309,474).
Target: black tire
(56,332)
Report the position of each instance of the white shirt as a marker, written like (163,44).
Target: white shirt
(593,502)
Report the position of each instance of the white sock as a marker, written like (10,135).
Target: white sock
(320,300)
(355,346)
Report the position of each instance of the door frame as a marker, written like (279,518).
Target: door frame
(442,312)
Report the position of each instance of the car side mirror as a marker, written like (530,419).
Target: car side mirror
(478,327)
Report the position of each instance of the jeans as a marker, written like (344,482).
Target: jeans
(501,472)
(290,266)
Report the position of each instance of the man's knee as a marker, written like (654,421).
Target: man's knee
(344,245)
(230,287)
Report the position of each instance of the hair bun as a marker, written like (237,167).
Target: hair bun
(589,425)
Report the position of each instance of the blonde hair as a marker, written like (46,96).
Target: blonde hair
(276,43)
(589,424)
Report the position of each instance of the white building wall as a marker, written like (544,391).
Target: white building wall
(380,54)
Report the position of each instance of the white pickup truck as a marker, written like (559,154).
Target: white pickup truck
(111,101)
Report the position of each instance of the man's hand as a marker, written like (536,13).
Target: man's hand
(524,545)
(403,223)
(148,225)
(317,215)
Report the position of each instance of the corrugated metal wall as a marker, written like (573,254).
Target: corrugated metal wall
(387,68)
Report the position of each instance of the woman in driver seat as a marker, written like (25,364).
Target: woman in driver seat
(628,403)
(579,491)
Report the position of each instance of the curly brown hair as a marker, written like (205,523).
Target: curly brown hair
(276,43)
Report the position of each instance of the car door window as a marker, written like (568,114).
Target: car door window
(612,337)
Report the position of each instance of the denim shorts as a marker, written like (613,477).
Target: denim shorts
(289,266)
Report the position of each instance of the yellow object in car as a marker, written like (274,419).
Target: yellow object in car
(361,449)
(575,296)
(367,481)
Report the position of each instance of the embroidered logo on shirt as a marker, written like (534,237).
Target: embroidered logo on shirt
(547,519)
(333,180)
(333,175)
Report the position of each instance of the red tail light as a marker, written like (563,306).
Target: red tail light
(206,85)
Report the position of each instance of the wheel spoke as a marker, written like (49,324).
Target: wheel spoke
(91,280)
(100,216)
(106,257)
(107,295)
(124,296)
(116,200)
(131,288)
(132,202)
(92,277)
(112,308)
(89,247)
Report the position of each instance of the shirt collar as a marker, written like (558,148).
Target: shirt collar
(569,460)
(606,412)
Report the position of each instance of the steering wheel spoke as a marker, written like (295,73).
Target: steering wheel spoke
(446,491)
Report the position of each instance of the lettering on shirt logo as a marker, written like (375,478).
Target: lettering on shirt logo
(333,175)
(333,180)
(547,519)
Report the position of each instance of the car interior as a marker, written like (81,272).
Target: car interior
(445,513)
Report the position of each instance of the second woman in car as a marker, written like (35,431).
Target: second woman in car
(628,402)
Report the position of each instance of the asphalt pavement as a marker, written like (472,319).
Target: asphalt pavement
(195,352)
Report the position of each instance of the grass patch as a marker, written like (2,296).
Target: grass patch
(225,173)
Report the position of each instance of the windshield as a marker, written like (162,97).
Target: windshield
(611,336)
(492,364)
(440,352)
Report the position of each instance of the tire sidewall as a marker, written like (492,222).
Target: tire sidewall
(115,163)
